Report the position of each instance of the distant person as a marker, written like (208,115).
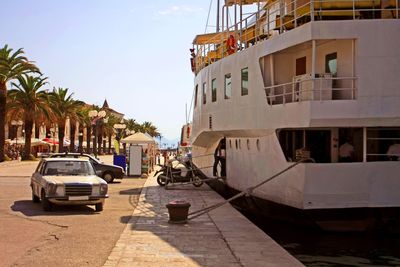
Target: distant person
(346,151)
(223,158)
(393,152)
(165,155)
(217,153)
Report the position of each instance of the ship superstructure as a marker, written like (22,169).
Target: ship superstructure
(295,80)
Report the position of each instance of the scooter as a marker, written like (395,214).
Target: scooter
(172,174)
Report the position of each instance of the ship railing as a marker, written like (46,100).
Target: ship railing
(280,16)
(312,89)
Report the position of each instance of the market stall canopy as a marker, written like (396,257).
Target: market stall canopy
(138,138)
(34,142)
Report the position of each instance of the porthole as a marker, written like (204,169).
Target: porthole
(248,144)
(258,144)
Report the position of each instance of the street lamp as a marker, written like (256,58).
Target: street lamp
(80,140)
(97,120)
(53,131)
(16,125)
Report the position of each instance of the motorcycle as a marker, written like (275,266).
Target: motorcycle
(178,172)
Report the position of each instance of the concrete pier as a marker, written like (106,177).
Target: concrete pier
(222,237)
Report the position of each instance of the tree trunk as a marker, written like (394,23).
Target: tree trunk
(3,99)
(37,130)
(99,139)
(28,125)
(109,144)
(72,136)
(88,137)
(61,131)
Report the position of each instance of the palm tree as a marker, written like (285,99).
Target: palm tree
(149,128)
(63,106)
(28,102)
(12,65)
(109,129)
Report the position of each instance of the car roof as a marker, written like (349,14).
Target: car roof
(72,154)
(65,159)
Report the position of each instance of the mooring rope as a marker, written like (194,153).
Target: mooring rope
(248,191)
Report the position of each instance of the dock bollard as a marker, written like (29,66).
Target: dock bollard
(178,211)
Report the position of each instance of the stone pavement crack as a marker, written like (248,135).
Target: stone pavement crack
(41,221)
(55,236)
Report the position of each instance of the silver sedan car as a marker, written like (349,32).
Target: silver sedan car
(67,181)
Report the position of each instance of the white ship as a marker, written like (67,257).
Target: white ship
(296,79)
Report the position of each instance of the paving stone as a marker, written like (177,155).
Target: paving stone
(222,237)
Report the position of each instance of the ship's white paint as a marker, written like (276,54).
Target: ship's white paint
(368,50)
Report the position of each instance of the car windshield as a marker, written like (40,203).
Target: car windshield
(94,159)
(69,168)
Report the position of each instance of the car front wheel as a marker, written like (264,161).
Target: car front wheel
(35,199)
(46,204)
(108,177)
(99,206)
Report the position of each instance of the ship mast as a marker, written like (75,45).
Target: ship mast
(218,15)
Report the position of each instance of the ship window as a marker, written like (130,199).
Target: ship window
(331,66)
(204,93)
(195,95)
(248,144)
(301,66)
(240,144)
(383,143)
(230,143)
(214,90)
(245,81)
(303,144)
(228,86)
(258,144)
(236,143)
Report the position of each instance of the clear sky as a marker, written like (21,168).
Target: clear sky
(135,54)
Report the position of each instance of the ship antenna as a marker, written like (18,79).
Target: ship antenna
(186,113)
(191,104)
(208,16)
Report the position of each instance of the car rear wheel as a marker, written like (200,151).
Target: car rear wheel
(99,206)
(46,204)
(108,177)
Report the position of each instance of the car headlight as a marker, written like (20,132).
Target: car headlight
(96,189)
(51,189)
(55,189)
(103,189)
(60,191)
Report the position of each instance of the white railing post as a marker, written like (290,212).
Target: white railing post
(312,9)
(295,13)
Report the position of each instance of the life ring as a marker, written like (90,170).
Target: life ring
(230,44)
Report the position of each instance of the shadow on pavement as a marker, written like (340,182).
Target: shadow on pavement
(28,208)
(197,242)
(135,191)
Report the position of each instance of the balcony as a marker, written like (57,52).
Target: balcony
(323,87)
